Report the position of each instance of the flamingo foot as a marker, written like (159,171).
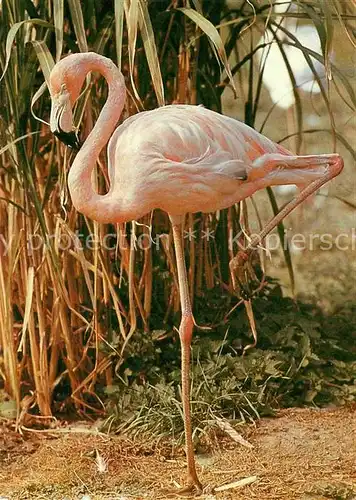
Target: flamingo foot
(193,489)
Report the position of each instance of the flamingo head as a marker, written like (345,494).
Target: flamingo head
(66,80)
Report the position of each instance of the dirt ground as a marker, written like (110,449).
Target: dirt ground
(305,454)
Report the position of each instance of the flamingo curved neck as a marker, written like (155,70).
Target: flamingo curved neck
(98,207)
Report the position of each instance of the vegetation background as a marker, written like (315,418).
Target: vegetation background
(86,328)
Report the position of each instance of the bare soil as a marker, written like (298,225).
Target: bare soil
(306,454)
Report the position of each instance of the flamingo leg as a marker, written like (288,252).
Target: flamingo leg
(333,164)
(185,335)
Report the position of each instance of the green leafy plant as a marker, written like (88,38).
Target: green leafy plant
(303,358)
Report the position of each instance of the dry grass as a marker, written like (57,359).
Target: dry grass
(301,454)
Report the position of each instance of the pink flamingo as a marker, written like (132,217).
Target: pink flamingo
(180,159)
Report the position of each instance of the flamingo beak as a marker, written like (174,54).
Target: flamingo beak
(70,139)
(61,121)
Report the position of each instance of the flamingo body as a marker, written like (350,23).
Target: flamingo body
(183,158)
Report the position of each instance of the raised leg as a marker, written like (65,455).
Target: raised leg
(185,335)
(305,166)
(312,171)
